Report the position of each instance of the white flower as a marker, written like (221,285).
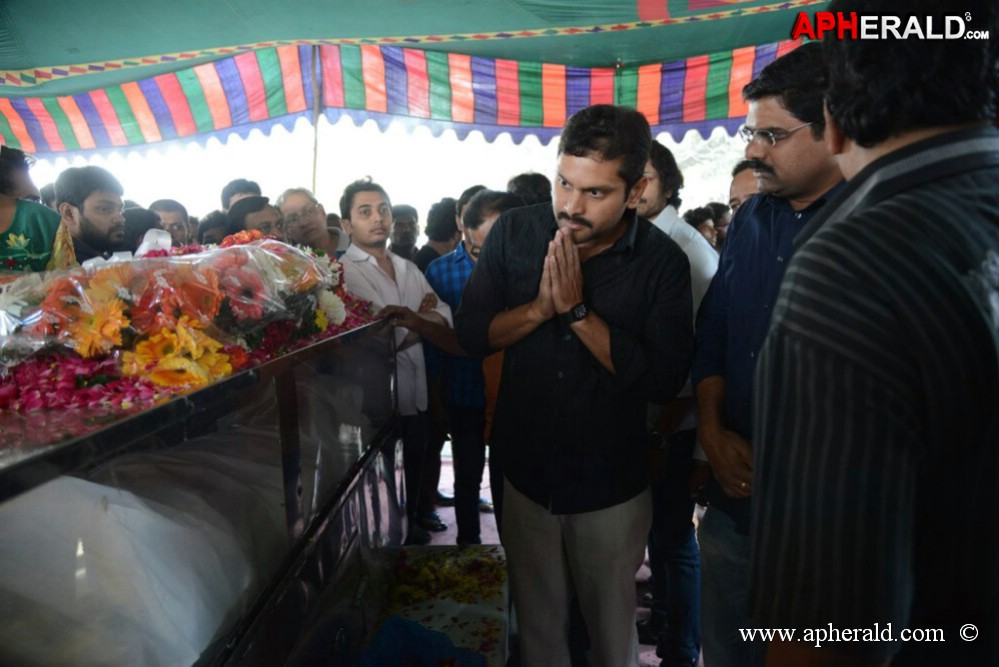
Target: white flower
(17,295)
(333,307)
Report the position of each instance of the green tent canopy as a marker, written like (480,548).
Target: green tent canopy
(118,74)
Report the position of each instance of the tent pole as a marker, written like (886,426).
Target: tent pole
(315,113)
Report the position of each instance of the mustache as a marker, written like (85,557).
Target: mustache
(578,219)
(759,165)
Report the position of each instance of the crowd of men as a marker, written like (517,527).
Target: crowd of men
(835,367)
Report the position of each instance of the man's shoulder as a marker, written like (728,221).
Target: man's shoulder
(517,221)
(442,265)
(654,242)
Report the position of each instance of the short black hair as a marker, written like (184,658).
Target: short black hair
(75,184)
(360,185)
(405,209)
(670,176)
(798,80)
(532,187)
(238,187)
(718,209)
(47,193)
(11,160)
(213,220)
(882,88)
(441,225)
(466,196)
(168,206)
(138,221)
(696,216)
(486,203)
(611,132)
(741,166)
(236,216)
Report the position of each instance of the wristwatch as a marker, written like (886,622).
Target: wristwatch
(577,312)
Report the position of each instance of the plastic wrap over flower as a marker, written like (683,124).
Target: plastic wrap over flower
(226,292)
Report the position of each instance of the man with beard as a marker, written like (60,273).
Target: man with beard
(797,174)
(592,306)
(90,203)
(174,219)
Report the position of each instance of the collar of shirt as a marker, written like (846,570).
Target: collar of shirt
(358,256)
(459,254)
(667,218)
(927,160)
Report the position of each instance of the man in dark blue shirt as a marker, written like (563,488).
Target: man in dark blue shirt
(796,174)
(464,387)
(593,308)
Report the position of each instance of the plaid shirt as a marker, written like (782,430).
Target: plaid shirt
(463,375)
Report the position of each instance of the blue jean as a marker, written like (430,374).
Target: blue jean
(674,558)
(724,599)
(468,446)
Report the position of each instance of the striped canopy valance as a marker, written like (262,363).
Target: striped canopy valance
(267,86)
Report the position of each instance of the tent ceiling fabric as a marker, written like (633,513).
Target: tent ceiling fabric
(114,73)
(384,83)
(106,42)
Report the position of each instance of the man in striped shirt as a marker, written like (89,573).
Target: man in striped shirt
(797,175)
(877,395)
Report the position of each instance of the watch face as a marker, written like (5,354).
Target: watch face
(579,312)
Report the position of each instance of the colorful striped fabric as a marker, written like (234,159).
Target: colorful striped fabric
(258,89)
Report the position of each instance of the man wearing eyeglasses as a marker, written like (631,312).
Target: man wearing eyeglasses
(305,222)
(797,174)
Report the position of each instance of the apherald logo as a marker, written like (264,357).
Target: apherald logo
(854,26)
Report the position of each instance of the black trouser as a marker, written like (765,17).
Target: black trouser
(468,447)
(413,429)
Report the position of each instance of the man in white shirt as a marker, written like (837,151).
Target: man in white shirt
(673,554)
(396,288)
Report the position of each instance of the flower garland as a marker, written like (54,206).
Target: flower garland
(131,334)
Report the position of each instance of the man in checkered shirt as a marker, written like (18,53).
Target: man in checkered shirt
(464,384)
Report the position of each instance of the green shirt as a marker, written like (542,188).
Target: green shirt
(27,244)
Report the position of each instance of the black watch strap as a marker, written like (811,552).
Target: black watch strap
(577,312)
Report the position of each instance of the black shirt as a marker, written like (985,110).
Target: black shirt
(424,256)
(573,434)
(83,251)
(876,456)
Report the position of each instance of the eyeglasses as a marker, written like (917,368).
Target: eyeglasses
(271,228)
(295,219)
(771,136)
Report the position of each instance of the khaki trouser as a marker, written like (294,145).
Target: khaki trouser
(596,554)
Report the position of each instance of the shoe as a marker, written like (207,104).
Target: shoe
(461,542)
(485,506)
(442,500)
(417,536)
(648,633)
(432,521)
